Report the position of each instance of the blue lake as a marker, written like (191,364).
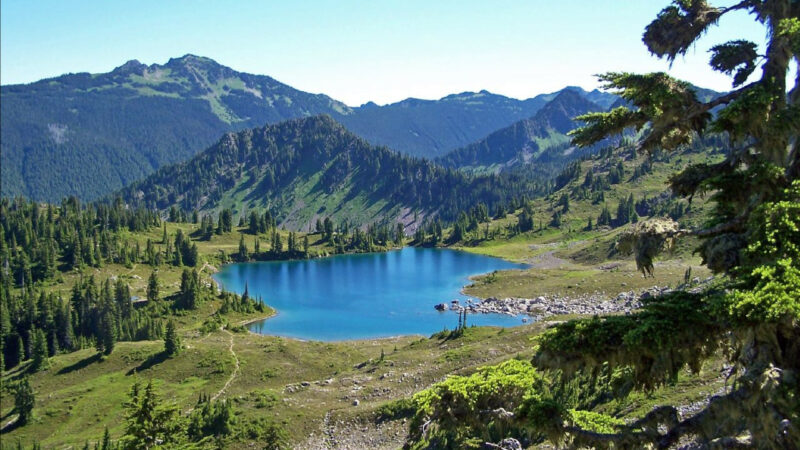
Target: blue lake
(364,296)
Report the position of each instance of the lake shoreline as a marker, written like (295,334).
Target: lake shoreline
(370,295)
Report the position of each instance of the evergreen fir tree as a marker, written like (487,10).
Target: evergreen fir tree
(172,343)
(242,254)
(24,401)
(148,422)
(40,353)
(106,443)
(152,287)
(107,333)
(605,217)
(20,354)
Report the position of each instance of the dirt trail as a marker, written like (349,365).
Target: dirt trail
(235,370)
(329,431)
(548,260)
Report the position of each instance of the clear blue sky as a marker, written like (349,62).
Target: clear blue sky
(357,51)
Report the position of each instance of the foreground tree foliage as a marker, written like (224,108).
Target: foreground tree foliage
(753,236)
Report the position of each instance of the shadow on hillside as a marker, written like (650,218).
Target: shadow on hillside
(8,415)
(10,426)
(151,361)
(18,373)
(80,364)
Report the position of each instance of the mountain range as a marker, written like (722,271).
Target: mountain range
(126,124)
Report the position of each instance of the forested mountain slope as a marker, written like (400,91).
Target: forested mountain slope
(526,140)
(309,168)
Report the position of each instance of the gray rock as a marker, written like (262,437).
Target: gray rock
(510,444)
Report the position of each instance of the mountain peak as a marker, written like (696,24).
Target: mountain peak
(559,112)
(577,89)
(569,94)
(192,60)
(319,124)
(132,66)
(325,120)
(469,95)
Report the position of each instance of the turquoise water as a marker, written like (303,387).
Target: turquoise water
(363,296)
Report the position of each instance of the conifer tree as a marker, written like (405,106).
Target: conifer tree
(254,223)
(327,226)
(106,443)
(149,422)
(152,287)
(242,254)
(39,358)
(189,296)
(177,257)
(24,401)
(20,354)
(277,245)
(172,343)
(192,256)
(605,217)
(399,234)
(107,333)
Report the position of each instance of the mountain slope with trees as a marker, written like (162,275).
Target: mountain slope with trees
(305,169)
(541,137)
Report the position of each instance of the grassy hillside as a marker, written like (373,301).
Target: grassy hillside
(572,259)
